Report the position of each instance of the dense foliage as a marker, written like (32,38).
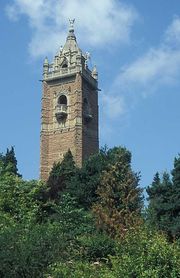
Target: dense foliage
(87,222)
(8,162)
(59,176)
(119,203)
(164,202)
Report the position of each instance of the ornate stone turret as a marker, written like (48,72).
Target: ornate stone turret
(69,106)
(45,67)
(69,60)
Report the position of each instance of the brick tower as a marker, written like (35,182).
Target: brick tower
(69,106)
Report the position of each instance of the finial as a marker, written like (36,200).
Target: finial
(94,68)
(71,34)
(71,24)
(87,58)
(45,67)
(61,48)
(46,61)
(95,73)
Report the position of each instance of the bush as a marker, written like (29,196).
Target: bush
(97,247)
(76,269)
(146,254)
(26,251)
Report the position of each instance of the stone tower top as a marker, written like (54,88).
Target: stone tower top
(69,60)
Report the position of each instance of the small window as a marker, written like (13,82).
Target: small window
(62,100)
(64,66)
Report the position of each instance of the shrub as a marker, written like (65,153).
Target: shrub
(146,254)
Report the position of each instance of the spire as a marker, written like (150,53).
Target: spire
(71,43)
(71,35)
(46,61)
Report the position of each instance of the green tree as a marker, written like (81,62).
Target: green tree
(176,171)
(21,200)
(157,196)
(83,186)
(9,162)
(27,249)
(120,198)
(1,164)
(175,198)
(145,253)
(163,211)
(60,175)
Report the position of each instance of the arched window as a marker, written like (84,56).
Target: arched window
(61,109)
(64,64)
(62,100)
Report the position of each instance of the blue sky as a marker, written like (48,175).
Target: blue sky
(136,47)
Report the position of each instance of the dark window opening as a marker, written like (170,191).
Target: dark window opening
(64,65)
(62,100)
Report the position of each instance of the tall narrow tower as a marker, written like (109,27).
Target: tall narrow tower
(69,106)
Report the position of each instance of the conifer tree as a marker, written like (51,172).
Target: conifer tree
(60,174)
(154,190)
(1,163)
(176,172)
(175,198)
(164,203)
(83,186)
(10,162)
(120,198)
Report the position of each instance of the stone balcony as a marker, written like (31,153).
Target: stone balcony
(61,112)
